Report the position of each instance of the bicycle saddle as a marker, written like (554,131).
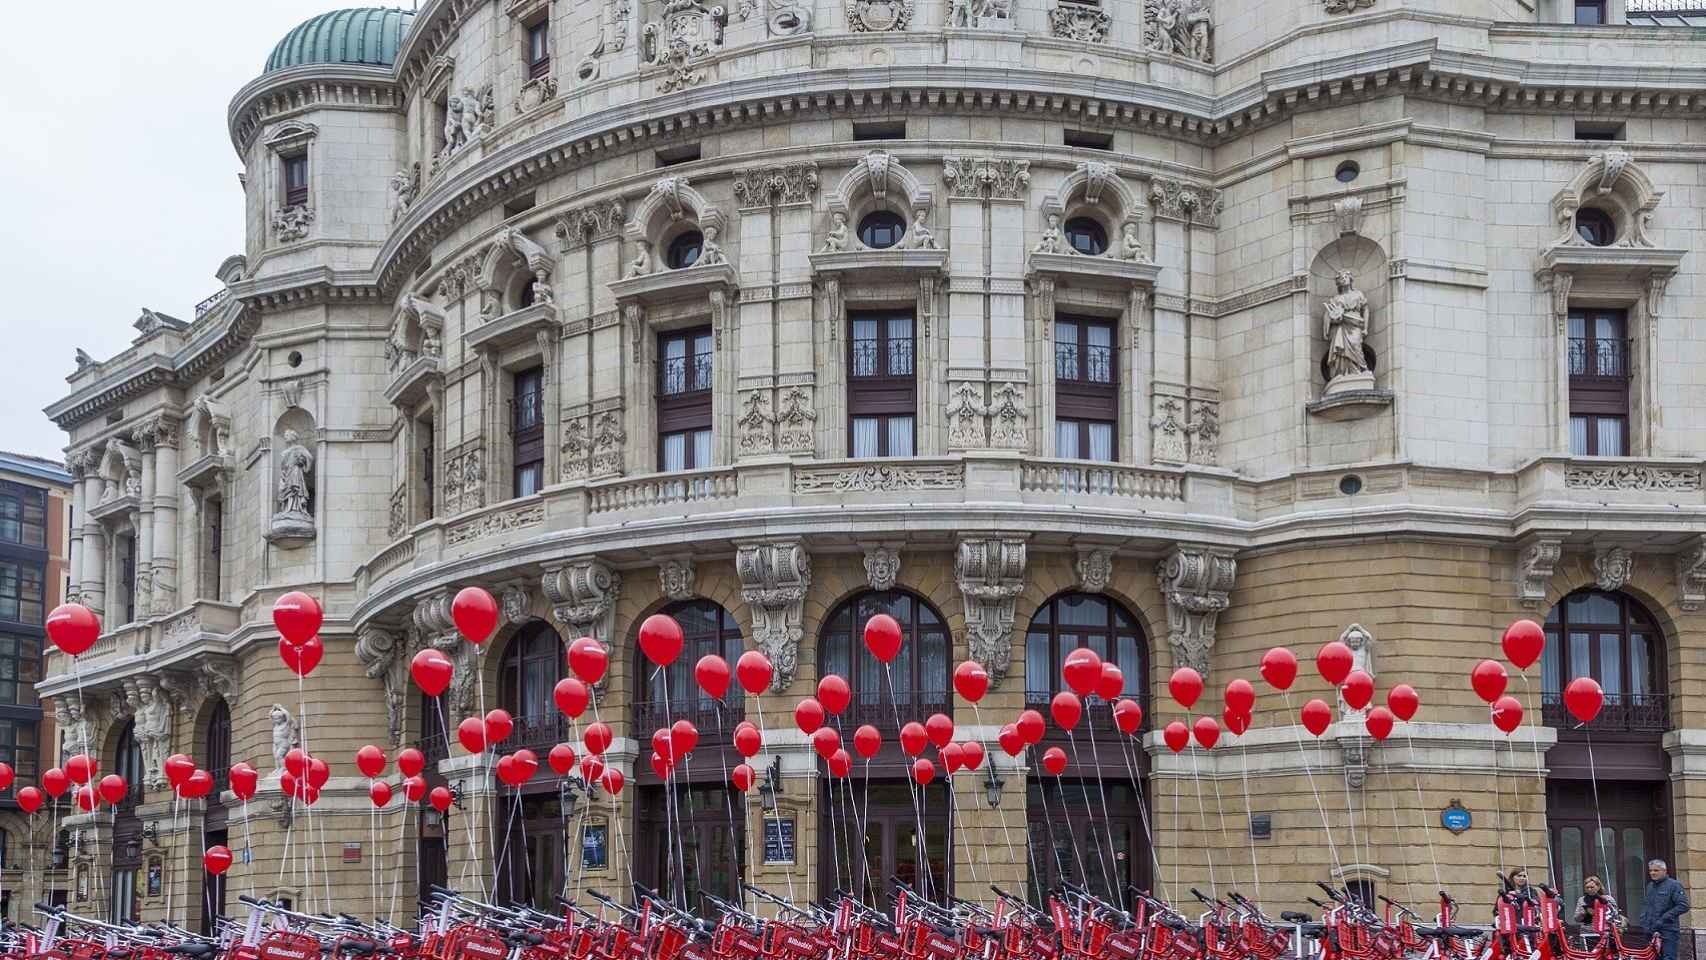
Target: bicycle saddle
(197,950)
(525,938)
(357,948)
(1295,916)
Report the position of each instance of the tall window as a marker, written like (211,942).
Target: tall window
(21,592)
(296,180)
(20,669)
(920,672)
(23,514)
(539,50)
(684,400)
(707,629)
(527,430)
(712,848)
(127,577)
(126,901)
(128,764)
(882,385)
(1073,620)
(219,748)
(1064,816)
(429,461)
(1611,638)
(215,512)
(1599,383)
(1086,393)
(18,743)
(532,664)
(1590,11)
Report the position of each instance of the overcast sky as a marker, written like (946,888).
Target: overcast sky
(118,183)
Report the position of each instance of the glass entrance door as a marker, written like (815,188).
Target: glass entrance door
(890,847)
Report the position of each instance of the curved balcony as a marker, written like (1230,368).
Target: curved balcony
(1641,713)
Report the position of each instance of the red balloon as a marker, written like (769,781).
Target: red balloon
(1082,671)
(471,732)
(1379,723)
(1128,716)
(748,740)
(1489,680)
(73,628)
(713,675)
(826,741)
(379,792)
(414,788)
(840,764)
(662,765)
(592,768)
(370,760)
(1054,761)
(867,740)
(663,745)
(297,617)
(754,672)
(922,770)
(561,758)
(808,715)
(1176,735)
(1011,740)
(432,671)
(310,794)
(318,773)
(1240,696)
(244,779)
(498,726)
(506,771)
(742,777)
(302,658)
(29,799)
(475,613)
(1507,714)
(1186,686)
(1031,727)
(1583,697)
(588,659)
(913,738)
(410,762)
(1236,722)
(1403,701)
(953,758)
(1358,689)
(113,788)
(572,697)
(1206,731)
(177,767)
(973,752)
(1523,642)
(971,680)
(440,799)
(882,637)
(80,768)
(199,784)
(683,736)
(1334,661)
(1111,684)
(940,729)
(1067,709)
(1279,668)
(86,799)
(55,782)
(661,639)
(1317,716)
(834,694)
(217,859)
(289,785)
(612,780)
(597,738)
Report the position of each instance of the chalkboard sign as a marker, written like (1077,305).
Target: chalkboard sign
(779,840)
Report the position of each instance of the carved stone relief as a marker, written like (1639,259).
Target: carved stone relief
(1170,435)
(384,655)
(755,425)
(589,224)
(1691,576)
(1008,416)
(1612,567)
(878,16)
(677,578)
(608,440)
(290,224)
(1183,28)
(1535,566)
(1094,566)
(1204,432)
(882,566)
(774,577)
(1176,200)
(796,421)
(990,572)
(971,14)
(688,33)
(577,448)
(979,178)
(966,413)
(1347,6)
(1196,582)
(1084,22)
(583,597)
(779,185)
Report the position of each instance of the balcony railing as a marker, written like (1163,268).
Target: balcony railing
(702,711)
(1097,364)
(1098,717)
(688,487)
(1631,713)
(1109,479)
(876,710)
(678,375)
(526,412)
(869,359)
(1667,13)
(1592,357)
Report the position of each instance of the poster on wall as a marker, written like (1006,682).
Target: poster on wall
(595,847)
(779,840)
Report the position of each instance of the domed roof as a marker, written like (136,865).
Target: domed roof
(362,35)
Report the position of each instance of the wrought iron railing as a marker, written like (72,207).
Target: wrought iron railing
(1631,713)
(871,360)
(207,306)
(702,711)
(1097,364)
(1098,719)
(1593,357)
(689,374)
(1666,6)
(877,710)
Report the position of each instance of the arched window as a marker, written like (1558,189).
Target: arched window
(684,250)
(126,902)
(1595,226)
(1613,639)
(706,628)
(1087,236)
(920,671)
(531,666)
(1073,620)
(127,763)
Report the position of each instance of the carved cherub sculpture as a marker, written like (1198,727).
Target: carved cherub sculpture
(1050,242)
(836,240)
(642,262)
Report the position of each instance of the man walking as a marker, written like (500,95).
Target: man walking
(1666,901)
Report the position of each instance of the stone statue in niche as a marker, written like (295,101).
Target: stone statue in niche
(283,735)
(295,517)
(1346,315)
(1361,643)
(836,240)
(1181,27)
(153,730)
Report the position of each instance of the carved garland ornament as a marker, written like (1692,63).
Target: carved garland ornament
(878,16)
(1084,22)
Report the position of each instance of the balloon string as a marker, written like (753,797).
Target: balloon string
(1397,838)
(1599,822)
(1139,785)
(864,837)
(1117,892)
(616,821)
(1249,811)
(1006,838)
(914,789)
(396,872)
(1309,773)
(729,802)
(1048,817)
(1421,808)
(1202,820)
(758,704)
(1539,775)
(1090,816)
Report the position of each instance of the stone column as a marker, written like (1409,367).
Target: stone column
(79,509)
(191,573)
(143,523)
(94,582)
(165,555)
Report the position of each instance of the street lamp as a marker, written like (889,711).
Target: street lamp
(992,786)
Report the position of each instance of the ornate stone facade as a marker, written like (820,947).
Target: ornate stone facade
(1196,583)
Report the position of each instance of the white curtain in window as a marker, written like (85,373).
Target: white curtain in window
(1578,326)
(1579,436)
(1066,439)
(900,346)
(900,436)
(864,346)
(674,452)
(701,449)
(864,437)
(1611,437)
(1099,336)
(1101,442)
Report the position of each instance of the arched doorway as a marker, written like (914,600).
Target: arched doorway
(528,824)
(703,814)
(216,736)
(127,884)
(1087,829)
(1608,786)
(912,688)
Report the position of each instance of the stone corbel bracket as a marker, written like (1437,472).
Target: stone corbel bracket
(990,572)
(1536,562)
(1691,575)
(1197,583)
(583,597)
(774,577)
(384,655)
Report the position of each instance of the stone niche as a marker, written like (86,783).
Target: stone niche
(1349,300)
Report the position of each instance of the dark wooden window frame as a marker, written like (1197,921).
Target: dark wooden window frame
(213,510)
(23,515)
(527,426)
(1087,381)
(539,50)
(686,700)
(1595,8)
(684,250)
(1641,714)
(23,592)
(1095,235)
(882,395)
(684,390)
(538,722)
(921,623)
(1046,629)
(1600,376)
(295,174)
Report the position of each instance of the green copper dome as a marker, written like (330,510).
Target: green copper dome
(364,35)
